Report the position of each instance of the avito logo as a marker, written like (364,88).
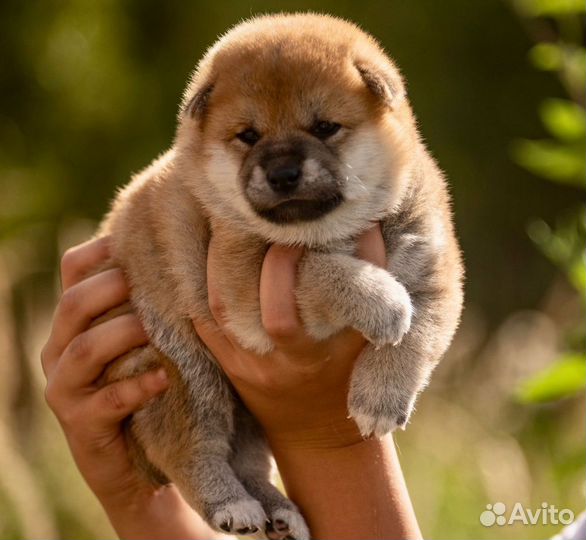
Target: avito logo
(547,514)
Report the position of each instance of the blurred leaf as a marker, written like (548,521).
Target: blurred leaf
(577,275)
(547,56)
(575,67)
(550,159)
(563,379)
(564,119)
(564,246)
(540,8)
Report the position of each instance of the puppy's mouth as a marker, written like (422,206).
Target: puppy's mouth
(299,210)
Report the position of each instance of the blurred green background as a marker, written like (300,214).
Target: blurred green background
(89,93)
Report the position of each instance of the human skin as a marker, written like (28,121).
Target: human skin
(346,487)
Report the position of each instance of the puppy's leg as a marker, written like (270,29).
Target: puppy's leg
(251,462)
(337,290)
(384,385)
(185,434)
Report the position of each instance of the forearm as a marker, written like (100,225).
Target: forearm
(160,515)
(357,491)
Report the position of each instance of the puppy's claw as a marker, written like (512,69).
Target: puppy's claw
(369,425)
(286,523)
(392,335)
(378,425)
(245,516)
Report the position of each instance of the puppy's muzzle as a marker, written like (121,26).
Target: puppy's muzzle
(289,188)
(284,175)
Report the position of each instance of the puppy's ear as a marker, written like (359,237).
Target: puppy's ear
(197,106)
(384,81)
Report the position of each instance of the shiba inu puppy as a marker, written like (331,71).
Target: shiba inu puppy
(294,129)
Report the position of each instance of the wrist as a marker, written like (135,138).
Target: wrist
(333,434)
(353,491)
(313,419)
(159,513)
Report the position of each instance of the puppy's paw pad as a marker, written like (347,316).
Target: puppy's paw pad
(242,517)
(287,524)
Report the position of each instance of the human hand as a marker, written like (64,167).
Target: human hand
(346,487)
(91,417)
(74,357)
(298,392)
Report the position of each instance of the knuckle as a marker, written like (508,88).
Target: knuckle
(50,396)
(70,262)
(54,401)
(80,347)
(217,309)
(267,381)
(142,386)
(70,302)
(113,398)
(281,329)
(117,277)
(67,417)
(45,353)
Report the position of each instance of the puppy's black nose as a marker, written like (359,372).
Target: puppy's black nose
(284,178)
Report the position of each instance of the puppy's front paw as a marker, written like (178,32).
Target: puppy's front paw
(381,415)
(245,516)
(387,317)
(378,425)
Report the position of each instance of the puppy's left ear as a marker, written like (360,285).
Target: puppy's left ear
(197,106)
(383,80)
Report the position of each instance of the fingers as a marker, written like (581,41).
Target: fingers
(116,401)
(79,260)
(278,304)
(104,409)
(87,354)
(371,247)
(78,306)
(277,289)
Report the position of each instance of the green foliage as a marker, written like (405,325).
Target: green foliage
(560,159)
(542,8)
(564,246)
(555,161)
(567,59)
(564,119)
(565,378)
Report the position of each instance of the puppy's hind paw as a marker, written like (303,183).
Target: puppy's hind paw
(241,517)
(286,524)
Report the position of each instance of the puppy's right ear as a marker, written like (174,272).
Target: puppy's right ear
(197,106)
(384,81)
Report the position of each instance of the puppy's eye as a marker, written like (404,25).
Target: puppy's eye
(323,129)
(249,136)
